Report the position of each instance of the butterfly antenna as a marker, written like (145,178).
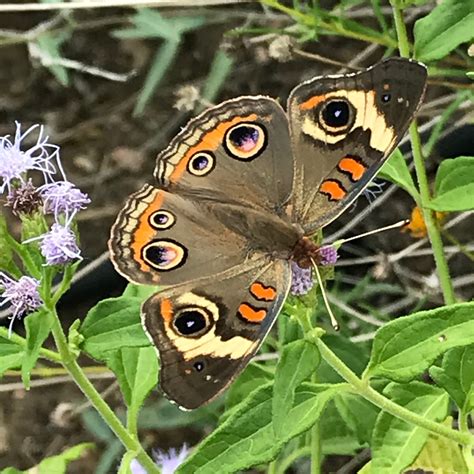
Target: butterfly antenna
(402,223)
(334,322)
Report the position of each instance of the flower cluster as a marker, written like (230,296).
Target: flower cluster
(56,196)
(302,278)
(22,295)
(167,461)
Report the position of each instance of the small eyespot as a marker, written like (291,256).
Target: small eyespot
(201,163)
(199,366)
(245,141)
(164,255)
(386,98)
(161,220)
(192,321)
(336,115)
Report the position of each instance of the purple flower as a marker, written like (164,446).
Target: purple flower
(22,295)
(59,245)
(301,279)
(328,254)
(14,162)
(167,461)
(24,199)
(63,197)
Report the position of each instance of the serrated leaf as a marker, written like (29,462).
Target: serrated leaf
(346,424)
(441,31)
(406,347)
(136,369)
(440,455)
(111,325)
(454,185)
(11,355)
(396,170)
(298,361)
(247,437)
(456,375)
(58,464)
(251,378)
(396,443)
(38,326)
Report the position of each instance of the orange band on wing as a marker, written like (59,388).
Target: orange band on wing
(210,141)
(312,102)
(353,167)
(333,189)
(262,292)
(144,232)
(250,314)
(166,309)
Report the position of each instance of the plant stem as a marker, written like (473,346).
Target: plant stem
(316,457)
(363,389)
(76,372)
(428,215)
(291,458)
(44,353)
(463,417)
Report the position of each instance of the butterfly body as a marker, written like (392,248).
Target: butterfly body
(241,190)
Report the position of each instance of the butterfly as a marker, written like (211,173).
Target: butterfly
(239,192)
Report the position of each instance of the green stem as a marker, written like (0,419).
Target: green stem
(44,353)
(333,27)
(464,428)
(428,215)
(76,372)
(362,388)
(291,458)
(315,445)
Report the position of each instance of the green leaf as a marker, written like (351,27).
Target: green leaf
(58,464)
(404,348)
(11,355)
(251,378)
(456,375)
(111,325)
(346,424)
(440,455)
(50,46)
(139,291)
(11,470)
(247,437)
(38,326)
(447,26)
(220,69)
(164,57)
(151,24)
(7,263)
(396,443)
(396,170)
(298,361)
(136,369)
(454,185)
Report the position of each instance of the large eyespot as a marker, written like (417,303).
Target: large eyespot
(245,141)
(161,220)
(192,321)
(201,163)
(336,116)
(164,255)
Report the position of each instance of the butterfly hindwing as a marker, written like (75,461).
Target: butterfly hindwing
(206,334)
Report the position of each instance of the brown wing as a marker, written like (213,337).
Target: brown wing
(343,128)
(206,334)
